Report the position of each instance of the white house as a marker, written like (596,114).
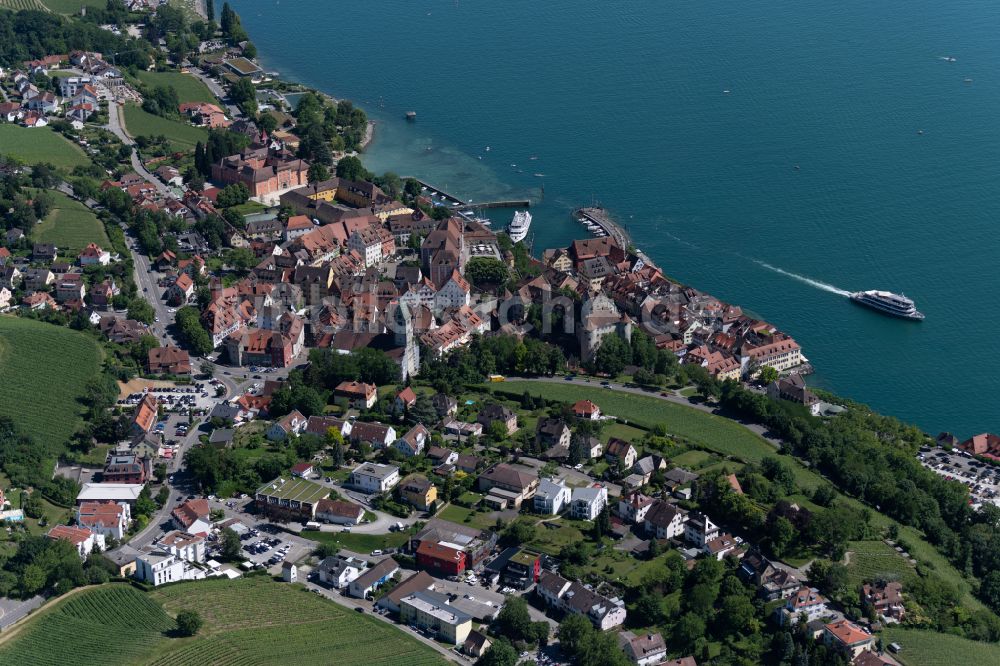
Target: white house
(193,516)
(339,512)
(109,519)
(664,520)
(82,538)
(551,497)
(375,477)
(806,603)
(287,426)
(633,507)
(93,255)
(339,571)
(413,442)
(577,598)
(645,649)
(454,293)
(157,566)
(184,545)
(588,502)
(699,529)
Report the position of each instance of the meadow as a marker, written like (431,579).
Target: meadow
(70,225)
(706,430)
(182,136)
(189,88)
(47,368)
(40,144)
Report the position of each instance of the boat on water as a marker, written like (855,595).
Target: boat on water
(888,303)
(519,226)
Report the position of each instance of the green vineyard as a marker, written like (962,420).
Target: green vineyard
(109,625)
(265,622)
(18,5)
(254,620)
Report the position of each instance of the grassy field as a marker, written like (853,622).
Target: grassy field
(713,432)
(114,624)
(182,136)
(245,621)
(70,225)
(361,543)
(52,366)
(929,648)
(40,144)
(458,514)
(257,620)
(189,88)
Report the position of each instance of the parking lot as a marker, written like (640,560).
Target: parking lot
(180,398)
(982,479)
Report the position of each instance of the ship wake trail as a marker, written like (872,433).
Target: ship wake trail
(802,278)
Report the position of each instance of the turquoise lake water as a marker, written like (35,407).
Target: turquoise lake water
(624,103)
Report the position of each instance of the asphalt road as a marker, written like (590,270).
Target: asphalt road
(116,127)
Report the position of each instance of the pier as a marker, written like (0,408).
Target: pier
(452,201)
(600,218)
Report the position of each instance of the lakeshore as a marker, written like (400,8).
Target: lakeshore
(710,185)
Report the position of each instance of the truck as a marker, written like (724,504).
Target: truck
(312,525)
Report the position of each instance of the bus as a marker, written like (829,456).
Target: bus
(497,378)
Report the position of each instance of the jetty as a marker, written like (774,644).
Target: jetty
(598,217)
(448,199)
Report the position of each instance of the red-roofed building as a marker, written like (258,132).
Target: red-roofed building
(405,398)
(82,539)
(440,559)
(847,638)
(145,414)
(358,394)
(109,519)
(94,255)
(585,409)
(169,360)
(192,516)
